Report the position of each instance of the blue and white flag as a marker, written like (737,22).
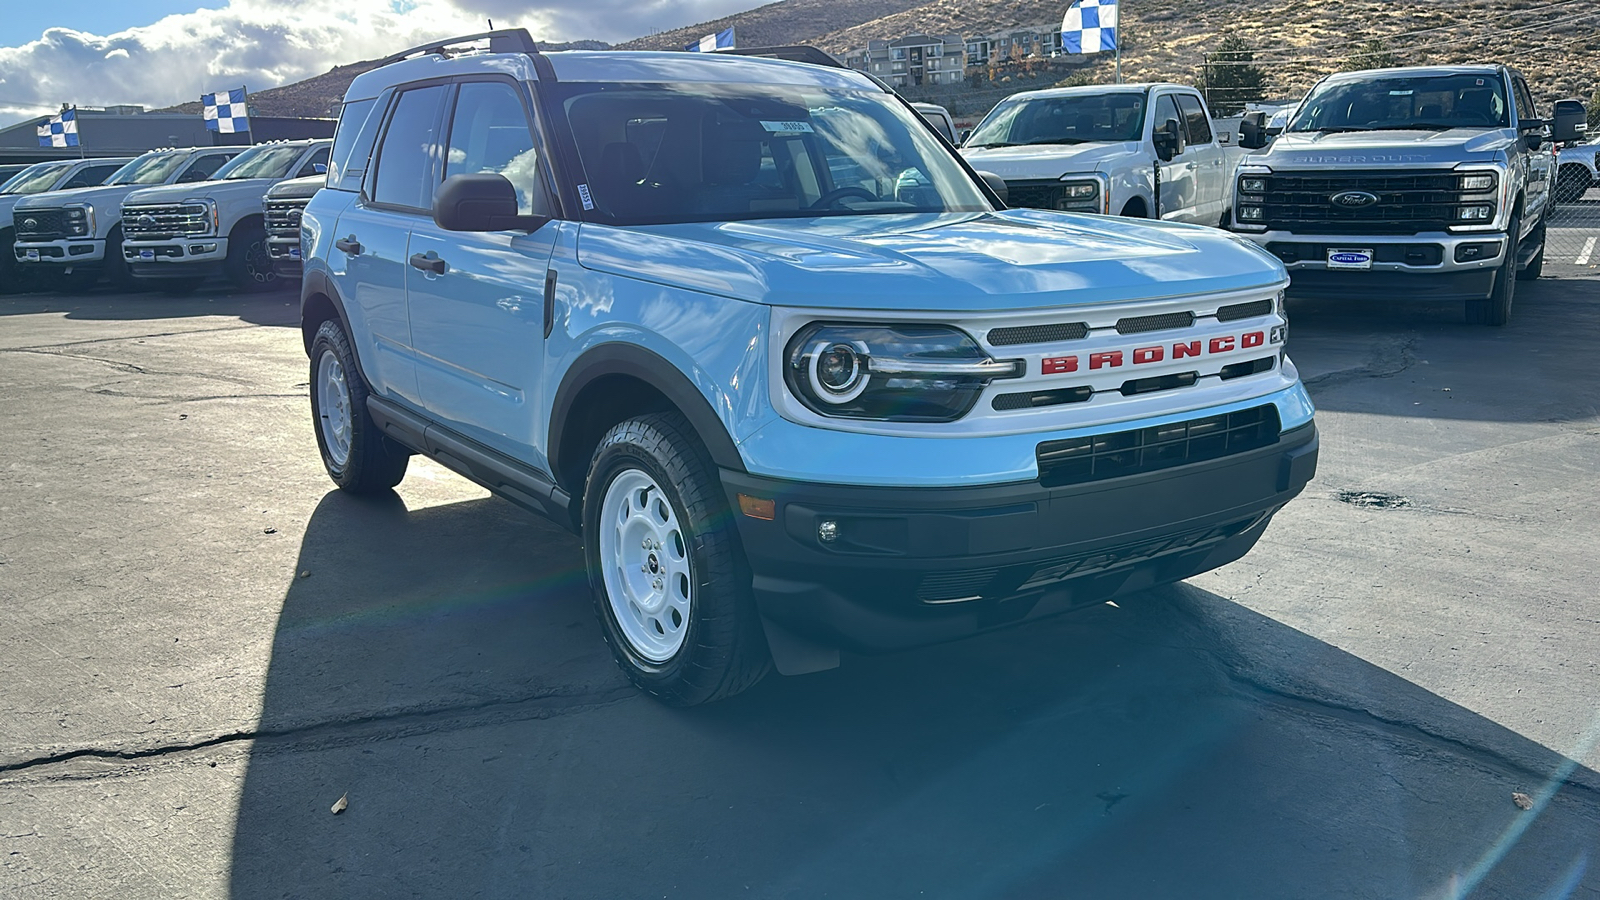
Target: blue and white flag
(722,40)
(1090,27)
(225,112)
(61,130)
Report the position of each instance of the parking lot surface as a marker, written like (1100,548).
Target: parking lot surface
(203,646)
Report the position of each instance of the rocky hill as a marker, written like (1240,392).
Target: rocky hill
(778,24)
(320,95)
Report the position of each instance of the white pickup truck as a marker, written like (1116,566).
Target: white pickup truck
(1105,148)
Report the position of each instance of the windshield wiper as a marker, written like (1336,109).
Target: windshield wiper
(1429,126)
(1067,141)
(1335,129)
(993,144)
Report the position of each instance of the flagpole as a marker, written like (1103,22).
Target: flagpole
(79,123)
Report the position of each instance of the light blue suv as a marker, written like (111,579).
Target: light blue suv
(788,365)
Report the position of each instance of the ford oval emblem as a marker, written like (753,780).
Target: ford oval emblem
(1353,199)
(146,220)
(30,224)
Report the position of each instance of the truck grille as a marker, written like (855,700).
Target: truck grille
(40,224)
(283,226)
(1407,204)
(1101,456)
(157,223)
(1042,194)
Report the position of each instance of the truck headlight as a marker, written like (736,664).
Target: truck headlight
(1480,213)
(1081,195)
(80,220)
(1252,184)
(894,373)
(1478,183)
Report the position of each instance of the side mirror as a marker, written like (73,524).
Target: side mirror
(319,168)
(965,133)
(1570,122)
(1168,140)
(1253,131)
(996,184)
(481,203)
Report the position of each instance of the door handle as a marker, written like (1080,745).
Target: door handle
(429,262)
(349,245)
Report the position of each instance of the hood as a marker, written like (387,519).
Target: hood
(1423,148)
(101,196)
(296,188)
(1015,259)
(1045,160)
(249,189)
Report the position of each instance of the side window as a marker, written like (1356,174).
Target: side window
(405,155)
(489,134)
(319,158)
(203,166)
(1525,105)
(1166,109)
(89,176)
(352,143)
(1195,115)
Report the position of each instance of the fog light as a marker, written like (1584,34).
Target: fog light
(828,531)
(1474,213)
(1280,334)
(1251,214)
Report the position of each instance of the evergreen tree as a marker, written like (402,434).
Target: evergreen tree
(1231,78)
(1374,54)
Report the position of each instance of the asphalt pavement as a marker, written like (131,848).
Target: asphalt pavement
(203,647)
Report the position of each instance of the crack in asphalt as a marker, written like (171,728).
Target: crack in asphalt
(1389,358)
(130,368)
(576,701)
(132,337)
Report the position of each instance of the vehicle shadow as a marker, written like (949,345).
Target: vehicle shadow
(488,747)
(277,308)
(1394,356)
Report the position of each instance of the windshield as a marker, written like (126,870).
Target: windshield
(260,162)
(152,168)
(1382,103)
(1074,119)
(657,153)
(35,179)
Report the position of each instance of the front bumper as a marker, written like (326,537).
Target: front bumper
(913,566)
(1427,266)
(183,258)
(62,252)
(285,254)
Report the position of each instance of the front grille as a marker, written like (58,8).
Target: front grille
(283,218)
(1407,204)
(1043,194)
(1162,322)
(158,223)
(1235,311)
(1101,456)
(1034,399)
(1038,334)
(949,587)
(40,224)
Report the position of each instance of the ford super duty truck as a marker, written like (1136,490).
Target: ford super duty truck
(75,236)
(184,233)
(283,206)
(1428,183)
(42,178)
(1141,150)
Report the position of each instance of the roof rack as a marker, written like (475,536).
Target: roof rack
(798,53)
(506,40)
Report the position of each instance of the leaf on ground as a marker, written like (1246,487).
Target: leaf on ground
(1523,801)
(341,804)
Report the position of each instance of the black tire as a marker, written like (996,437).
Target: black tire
(723,649)
(10,276)
(1496,308)
(1572,182)
(1535,266)
(118,273)
(371,463)
(249,264)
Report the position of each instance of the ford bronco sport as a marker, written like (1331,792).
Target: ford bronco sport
(784,361)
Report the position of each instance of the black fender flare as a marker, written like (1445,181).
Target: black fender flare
(618,358)
(317,283)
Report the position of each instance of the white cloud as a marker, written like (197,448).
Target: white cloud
(267,43)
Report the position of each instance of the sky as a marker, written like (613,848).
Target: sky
(162,52)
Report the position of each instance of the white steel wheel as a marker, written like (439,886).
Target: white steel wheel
(644,558)
(333,406)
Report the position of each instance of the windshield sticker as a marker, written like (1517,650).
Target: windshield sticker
(788,127)
(1480,82)
(1401,93)
(583,194)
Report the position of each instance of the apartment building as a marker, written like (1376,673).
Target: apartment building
(914,60)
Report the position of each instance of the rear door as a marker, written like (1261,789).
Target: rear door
(477,299)
(1207,157)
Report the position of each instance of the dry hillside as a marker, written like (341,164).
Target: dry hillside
(777,24)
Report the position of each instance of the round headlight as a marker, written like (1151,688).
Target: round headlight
(838,372)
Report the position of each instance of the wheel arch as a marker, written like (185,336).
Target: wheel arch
(320,302)
(258,220)
(1136,207)
(615,381)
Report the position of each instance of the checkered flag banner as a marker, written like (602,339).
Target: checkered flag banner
(225,112)
(60,131)
(722,40)
(1090,27)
